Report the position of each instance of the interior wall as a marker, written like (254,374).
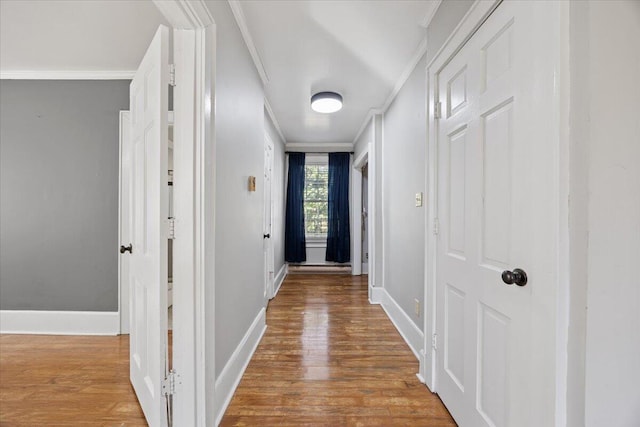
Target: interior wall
(612,365)
(59,194)
(278,193)
(404,155)
(239,153)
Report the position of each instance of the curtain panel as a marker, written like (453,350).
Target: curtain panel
(338,232)
(294,240)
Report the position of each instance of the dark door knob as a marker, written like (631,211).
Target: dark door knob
(517,276)
(266,236)
(124,249)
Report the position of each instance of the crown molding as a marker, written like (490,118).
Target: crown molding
(185,14)
(66,75)
(431,13)
(319,147)
(272,116)
(238,14)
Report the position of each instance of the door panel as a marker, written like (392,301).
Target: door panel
(148,266)
(491,178)
(268,218)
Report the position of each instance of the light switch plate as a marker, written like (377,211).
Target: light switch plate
(418,200)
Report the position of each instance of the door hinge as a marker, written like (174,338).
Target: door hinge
(434,341)
(172,228)
(436,226)
(171,383)
(172,74)
(437,109)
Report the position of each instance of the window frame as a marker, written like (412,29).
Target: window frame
(316,160)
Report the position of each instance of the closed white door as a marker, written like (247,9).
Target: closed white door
(150,204)
(496,206)
(268,229)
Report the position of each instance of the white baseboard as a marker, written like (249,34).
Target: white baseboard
(403,323)
(59,322)
(377,295)
(277,282)
(232,373)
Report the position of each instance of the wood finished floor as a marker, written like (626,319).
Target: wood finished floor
(329,358)
(66,381)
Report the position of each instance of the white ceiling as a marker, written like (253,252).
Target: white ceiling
(76,35)
(357,48)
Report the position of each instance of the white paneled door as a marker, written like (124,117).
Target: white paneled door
(496,206)
(268,221)
(150,204)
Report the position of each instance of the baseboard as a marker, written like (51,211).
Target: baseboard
(403,323)
(377,295)
(277,282)
(232,373)
(59,322)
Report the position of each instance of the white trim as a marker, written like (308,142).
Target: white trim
(277,282)
(59,322)
(469,23)
(272,116)
(320,147)
(231,375)
(185,14)
(123,286)
(369,117)
(377,295)
(67,75)
(356,220)
(431,13)
(238,14)
(412,335)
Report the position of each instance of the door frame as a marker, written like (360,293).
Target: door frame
(271,254)
(366,157)
(194,194)
(468,25)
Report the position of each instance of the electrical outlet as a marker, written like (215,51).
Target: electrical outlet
(416,306)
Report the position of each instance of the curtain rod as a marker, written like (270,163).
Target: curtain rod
(319,152)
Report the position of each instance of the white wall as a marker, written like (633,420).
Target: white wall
(278,193)
(239,152)
(605,144)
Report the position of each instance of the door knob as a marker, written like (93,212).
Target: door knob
(124,249)
(266,236)
(517,276)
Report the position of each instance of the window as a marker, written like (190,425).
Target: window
(316,196)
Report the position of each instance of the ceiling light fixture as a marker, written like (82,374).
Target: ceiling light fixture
(326,102)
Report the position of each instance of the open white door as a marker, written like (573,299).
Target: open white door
(150,205)
(497,206)
(268,218)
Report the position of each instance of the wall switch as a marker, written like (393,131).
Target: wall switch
(418,200)
(416,306)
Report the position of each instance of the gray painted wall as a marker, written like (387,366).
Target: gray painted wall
(604,217)
(239,153)
(277,195)
(59,194)
(404,167)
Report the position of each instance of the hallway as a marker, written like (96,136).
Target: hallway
(328,357)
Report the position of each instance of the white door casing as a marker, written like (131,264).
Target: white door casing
(269,291)
(150,204)
(497,210)
(124,219)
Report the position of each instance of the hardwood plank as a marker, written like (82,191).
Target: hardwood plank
(329,358)
(66,381)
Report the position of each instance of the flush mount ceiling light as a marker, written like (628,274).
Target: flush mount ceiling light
(326,102)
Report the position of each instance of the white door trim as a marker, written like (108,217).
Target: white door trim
(270,254)
(194,151)
(472,20)
(356,214)
(123,273)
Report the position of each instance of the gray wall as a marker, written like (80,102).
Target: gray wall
(604,217)
(240,128)
(402,171)
(404,166)
(59,194)
(277,195)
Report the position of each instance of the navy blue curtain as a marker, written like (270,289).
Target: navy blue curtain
(338,234)
(294,242)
